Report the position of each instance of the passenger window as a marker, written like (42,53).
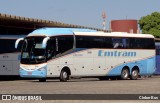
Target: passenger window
(108,42)
(65,43)
(117,43)
(7,45)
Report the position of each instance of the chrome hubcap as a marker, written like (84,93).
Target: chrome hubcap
(134,73)
(64,74)
(125,74)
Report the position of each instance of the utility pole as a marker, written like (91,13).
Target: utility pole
(104,20)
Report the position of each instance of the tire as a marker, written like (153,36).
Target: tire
(64,76)
(124,74)
(42,80)
(134,74)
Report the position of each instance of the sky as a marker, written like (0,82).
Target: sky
(80,12)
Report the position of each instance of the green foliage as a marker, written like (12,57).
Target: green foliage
(150,24)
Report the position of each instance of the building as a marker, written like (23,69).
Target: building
(129,26)
(16,25)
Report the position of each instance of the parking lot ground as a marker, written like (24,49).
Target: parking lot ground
(84,86)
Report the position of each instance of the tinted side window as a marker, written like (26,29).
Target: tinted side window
(97,42)
(7,45)
(150,43)
(136,43)
(117,43)
(84,42)
(142,43)
(65,43)
(108,42)
(93,42)
(114,42)
(59,45)
(120,42)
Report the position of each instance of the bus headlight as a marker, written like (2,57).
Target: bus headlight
(41,69)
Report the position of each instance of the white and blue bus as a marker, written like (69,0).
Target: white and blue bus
(66,52)
(9,56)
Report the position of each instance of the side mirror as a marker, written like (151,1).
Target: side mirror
(44,43)
(17,42)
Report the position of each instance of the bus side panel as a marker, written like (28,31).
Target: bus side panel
(98,62)
(56,65)
(53,68)
(146,67)
(6,67)
(9,64)
(151,65)
(100,66)
(16,67)
(144,59)
(83,63)
(16,64)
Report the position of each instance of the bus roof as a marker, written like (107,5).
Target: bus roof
(114,34)
(57,31)
(86,32)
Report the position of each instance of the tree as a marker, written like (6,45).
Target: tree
(150,24)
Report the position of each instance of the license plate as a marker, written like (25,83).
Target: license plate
(29,73)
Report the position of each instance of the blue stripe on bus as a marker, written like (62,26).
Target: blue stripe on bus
(146,67)
(78,50)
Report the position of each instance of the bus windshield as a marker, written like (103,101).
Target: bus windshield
(32,51)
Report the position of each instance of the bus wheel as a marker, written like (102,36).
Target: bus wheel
(134,74)
(64,76)
(124,74)
(42,80)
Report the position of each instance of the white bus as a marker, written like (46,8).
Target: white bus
(9,56)
(66,53)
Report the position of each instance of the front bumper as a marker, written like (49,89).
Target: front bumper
(33,74)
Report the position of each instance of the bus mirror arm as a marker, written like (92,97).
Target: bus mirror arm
(17,42)
(44,43)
